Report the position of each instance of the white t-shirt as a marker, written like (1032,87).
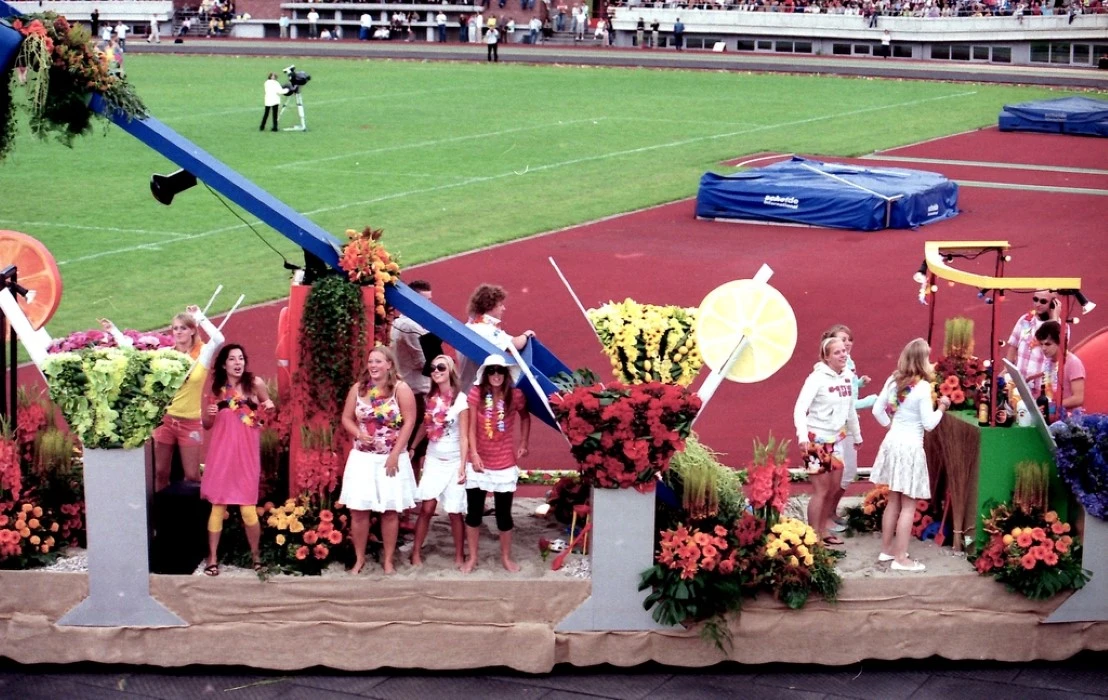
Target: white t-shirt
(273,92)
(121,31)
(492,36)
(365,20)
(440,19)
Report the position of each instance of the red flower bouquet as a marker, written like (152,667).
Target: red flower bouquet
(622,435)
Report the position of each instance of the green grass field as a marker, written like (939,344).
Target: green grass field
(445,157)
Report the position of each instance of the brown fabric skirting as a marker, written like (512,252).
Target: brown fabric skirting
(452,624)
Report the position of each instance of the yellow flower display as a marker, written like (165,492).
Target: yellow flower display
(648,343)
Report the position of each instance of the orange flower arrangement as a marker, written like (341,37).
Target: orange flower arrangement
(366,262)
(299,537)
(1032,554)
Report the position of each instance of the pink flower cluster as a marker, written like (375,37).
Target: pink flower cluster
(95,340)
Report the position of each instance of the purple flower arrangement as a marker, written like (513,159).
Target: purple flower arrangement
(94,339)
(1083,459)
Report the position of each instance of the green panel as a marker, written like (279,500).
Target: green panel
(1001,450)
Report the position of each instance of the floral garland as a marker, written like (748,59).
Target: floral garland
(648,343)
(60,66)
(435,418)
(624,435)
(114,397)
(1082,459)
(240,405)
(500,426)
(898,398)
(366,262)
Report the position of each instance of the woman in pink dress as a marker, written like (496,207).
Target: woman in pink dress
(234,405)
(380,413)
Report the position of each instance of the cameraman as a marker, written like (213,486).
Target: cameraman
(273,93)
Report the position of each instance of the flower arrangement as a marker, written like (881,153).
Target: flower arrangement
(867,516)
(94,339)
(29,535)
(624,435)
(318,461)
(768,489)
(703,486)
(301,538)
(366,262)
(696,577)
(648,343)
(114,397)
(1082,459)
(795,565)
(569,491)
(702,571)
(332,347)
(1031,553)
(60,66)
(959,375)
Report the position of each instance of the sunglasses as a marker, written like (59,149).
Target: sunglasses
(496,370)
(1043,300)
(439,368)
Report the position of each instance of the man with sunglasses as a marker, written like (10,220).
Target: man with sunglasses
(1023,350)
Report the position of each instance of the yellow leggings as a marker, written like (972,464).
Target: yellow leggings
(215,520)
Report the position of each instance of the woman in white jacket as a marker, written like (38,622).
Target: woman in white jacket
(905,404)
(824,416)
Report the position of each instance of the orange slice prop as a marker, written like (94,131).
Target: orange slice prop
(37,272)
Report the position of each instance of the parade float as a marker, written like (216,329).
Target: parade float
(692,559)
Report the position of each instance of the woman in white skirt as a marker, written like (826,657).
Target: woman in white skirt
(379,414)
(905,403)
(446,427)
(494,404)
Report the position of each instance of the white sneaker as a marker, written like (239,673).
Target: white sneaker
(915,567)
(885,557)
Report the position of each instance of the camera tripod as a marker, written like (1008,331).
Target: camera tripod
(303,126)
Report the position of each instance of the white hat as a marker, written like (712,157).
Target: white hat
(497,361)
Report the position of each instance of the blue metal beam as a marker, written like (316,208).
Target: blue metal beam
(217,174)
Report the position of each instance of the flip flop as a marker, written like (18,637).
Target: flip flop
(211,570)
(832,541)
(259,567)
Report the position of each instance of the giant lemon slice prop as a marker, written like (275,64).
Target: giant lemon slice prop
(748,310)
(38,273)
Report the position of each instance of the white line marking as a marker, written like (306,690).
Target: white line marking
(540,168)
(80,227)
(989,164)
(311,103)
(436,142)
(1032,188)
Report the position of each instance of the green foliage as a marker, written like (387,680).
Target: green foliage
(1030,491)
(706,486)
(332,343)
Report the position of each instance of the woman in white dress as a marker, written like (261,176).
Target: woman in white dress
(379,414)
(905,404)
(446,427)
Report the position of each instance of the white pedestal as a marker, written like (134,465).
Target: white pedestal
(118,547)
(621,547)
(1090,604)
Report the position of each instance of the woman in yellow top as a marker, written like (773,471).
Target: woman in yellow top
(181,427)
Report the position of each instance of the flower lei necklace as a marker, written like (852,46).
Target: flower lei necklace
(499,405)
(896,399)
(436,416)
(240,405)
(383,413)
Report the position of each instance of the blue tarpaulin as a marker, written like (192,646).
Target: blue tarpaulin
(1065,115)
(829,194)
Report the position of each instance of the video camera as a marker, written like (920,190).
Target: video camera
(297,80)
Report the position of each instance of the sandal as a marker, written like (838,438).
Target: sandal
(259,567)
(832,541)
(211,570)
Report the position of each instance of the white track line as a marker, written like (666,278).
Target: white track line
(313,103)
(106,229)
(540,168)
(437,142)
(989,164)
(1032,188)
